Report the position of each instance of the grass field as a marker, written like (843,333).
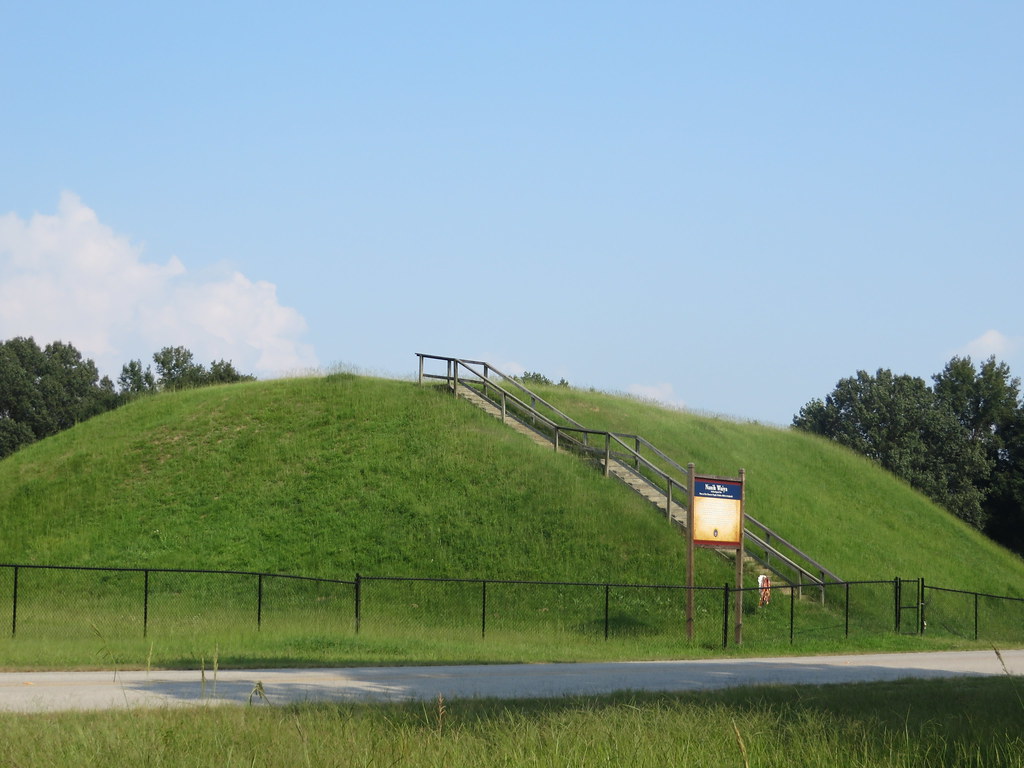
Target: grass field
(259,621)
(344,474)
(322,477)
(966,723)
(340,475)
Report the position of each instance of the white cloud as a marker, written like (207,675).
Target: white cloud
(660,393)
(990,343)
(70,277)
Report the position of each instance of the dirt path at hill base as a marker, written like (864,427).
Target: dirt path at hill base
(56,691)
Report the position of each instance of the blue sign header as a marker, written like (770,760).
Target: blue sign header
(718,489)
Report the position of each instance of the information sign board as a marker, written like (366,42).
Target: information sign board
(717,512)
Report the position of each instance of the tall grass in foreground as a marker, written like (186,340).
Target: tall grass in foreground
(967,722)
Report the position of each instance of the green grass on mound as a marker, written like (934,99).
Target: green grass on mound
(858,520)
(324,477)
(329,477)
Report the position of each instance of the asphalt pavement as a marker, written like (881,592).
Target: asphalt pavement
(58,691)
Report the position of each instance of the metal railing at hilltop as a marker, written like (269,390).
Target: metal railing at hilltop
(513,400)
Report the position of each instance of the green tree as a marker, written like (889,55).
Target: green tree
(71,387)
(986,401)
(983,400)
(176,369)
(1005,500)
(134,380)
(13,435)
(224,372)
(534,377)
(901,424)
(22,408)
(43,391)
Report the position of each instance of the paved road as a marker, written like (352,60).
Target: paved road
(54,691)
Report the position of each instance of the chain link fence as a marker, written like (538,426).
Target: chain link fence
(73,602)
(972,615)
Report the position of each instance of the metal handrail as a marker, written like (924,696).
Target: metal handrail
(771,551)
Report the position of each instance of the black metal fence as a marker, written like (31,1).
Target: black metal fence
(69,601)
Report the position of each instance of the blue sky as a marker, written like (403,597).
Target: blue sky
(726,206)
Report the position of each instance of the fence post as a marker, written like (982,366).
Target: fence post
(847,610)
(975,612)
(359,601)
(792,612)
(421,369)
(483,609)
(13,615)
(606,590)
(896,602)
(259,603)
(725,616)
(920,607)
(145,604)
(607,453)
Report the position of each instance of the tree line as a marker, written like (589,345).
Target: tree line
(46,390)
(960,440)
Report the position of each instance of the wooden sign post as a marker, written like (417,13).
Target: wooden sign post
(714,519)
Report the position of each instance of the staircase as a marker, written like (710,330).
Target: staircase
(481,402)
(675,512)
(629,458)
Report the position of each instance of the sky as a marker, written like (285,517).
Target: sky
(722,207)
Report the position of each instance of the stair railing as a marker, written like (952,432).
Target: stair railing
(539,411)
(764,545)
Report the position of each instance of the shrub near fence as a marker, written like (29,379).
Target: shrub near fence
(69,602)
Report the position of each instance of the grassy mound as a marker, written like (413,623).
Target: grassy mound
(324,477)
(330,476)
(340,475)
